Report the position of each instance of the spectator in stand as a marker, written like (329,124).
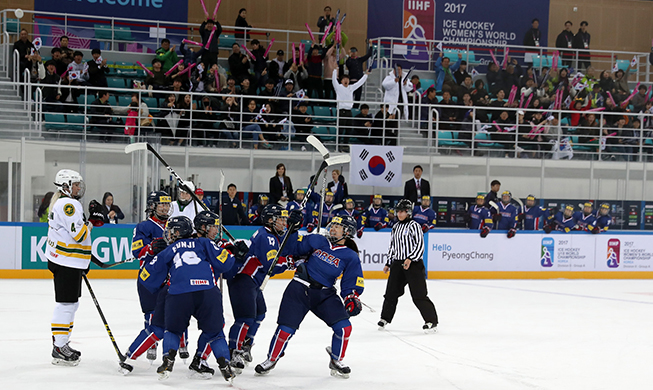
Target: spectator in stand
(242,26)
(285,105)
(186,107)
(143,110)
(101,115)
(111,211)
(494,78)
(501,132)
(621,85)
(385,126)
(444,79)
(210,57)
(238,63)
(330,64)
(177,86)
(396,89)
(533,35)
(528,75)
(251,127)
(191,55)
(512,74)
(24,47)
(280,62)
(51,94)
(230,125)
(480,95)
(363,122)
(357,67)
(461,73)
(303,123)
(167,55)
(182,76)
(59,64)
(429,100)
(280,187)
(582,43)
(345,96)
(44,208)
(466,87)
(639,100)
(606,82)
(97,69)
(565,40)
(169,122)
(233,210)
(448,112)
(67,54)
(298,74)
(158,79)
(314,68)
(338,186)
(417,187)
(203,120)
(77,75)
(230,88)
(268,91)
(324,21)
(596,96)
(260,63)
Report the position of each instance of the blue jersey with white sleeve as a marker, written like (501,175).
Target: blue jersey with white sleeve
(327,262)
(373,216)
(508,216)
(191,263)
(262,250)
(254,215)
(533,217)
(352,213)
(603,222)
(587,222)
(144,233)
(479,216)
(424,216)
(563,223)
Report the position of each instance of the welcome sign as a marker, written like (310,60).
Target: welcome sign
(164,10)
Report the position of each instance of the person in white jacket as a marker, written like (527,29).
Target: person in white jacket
(394,95)
(345,97)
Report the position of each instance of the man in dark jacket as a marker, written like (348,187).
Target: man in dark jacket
(260,63)
(324,21)
(211,57)
(233,210)
(24,47)
(59,63)
(238,63)
(362,125)
(355,65)
(51,93)
(582,43)
(417,187)
(565,40)
(102,115)
(97,69)
(532,37)
(461,73)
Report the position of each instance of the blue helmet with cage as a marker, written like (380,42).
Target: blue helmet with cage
(153,200)
(348,224)
(203,220)
(270,214)
(177,228)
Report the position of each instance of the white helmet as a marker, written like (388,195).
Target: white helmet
(180,189)
(188,184)
(64,181)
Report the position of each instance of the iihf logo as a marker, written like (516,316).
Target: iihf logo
(614,247)
(546,254)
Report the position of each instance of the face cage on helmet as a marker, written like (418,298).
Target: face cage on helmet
(346,232)
(273,225)
(153,211)
(204,231)
(66,189)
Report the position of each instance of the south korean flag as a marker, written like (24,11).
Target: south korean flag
(378,166)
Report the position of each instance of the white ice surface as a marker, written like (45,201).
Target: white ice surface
(559,334)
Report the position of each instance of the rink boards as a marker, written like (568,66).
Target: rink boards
(449,254)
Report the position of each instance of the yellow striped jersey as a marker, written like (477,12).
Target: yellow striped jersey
(69,238)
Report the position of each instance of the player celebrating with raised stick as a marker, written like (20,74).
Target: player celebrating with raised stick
(312,289)
(406,267)
(69,254)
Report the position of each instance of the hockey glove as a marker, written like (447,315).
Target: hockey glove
(512,232)
(288,261)
(520,217)
(485,231)
(359,233)
(310,228)
(341,179)
(241,249)
(353,304)
(576,227)
(158,245)
(596,230)
(95,213)
(378,226)
(295,221)
(496,218)
(425,228)
(547,229)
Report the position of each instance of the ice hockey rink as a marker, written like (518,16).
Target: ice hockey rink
(493,334)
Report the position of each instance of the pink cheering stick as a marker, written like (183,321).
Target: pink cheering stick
(302,49)
(505,58)
(612,99)
(294,55)
(310,33)
(217,81)
(268,49)
(521,100)
(249,53)
(326,32)
(609,135)
(174,67)
(648,93)
(596,109)
(554,60)
(204,8)
(208,42)
(513,92)
(497,126)
(494,59)
(632,95)
(188,41)
(426,90)
(528,102)
(187,70)
(145,69)
(215,10)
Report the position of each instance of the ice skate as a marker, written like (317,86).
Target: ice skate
(382,323)
(151,353)
(183,353)
(265,367)
(65,356)
(247,350)
(430,328)
(165,369)
(225,369)
(237,362)
(338,369)
(200,369)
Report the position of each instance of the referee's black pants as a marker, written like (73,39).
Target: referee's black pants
(414,277)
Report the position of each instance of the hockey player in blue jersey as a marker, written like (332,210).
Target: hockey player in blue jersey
(603,217)
(479,217)
(586,220)
(374,217)
(392,218)
(507,215)
(563,221)
(531,215)
(146,243)
(350,209)
(190,265)
(424,214)
(247,300)
(312,289)
(254,213)
(327,210)
(296,204)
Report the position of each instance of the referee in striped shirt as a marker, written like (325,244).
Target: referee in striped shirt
(406,267)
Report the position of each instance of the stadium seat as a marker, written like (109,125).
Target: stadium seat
(323,133)
(114,82)
(323,114)
(102,32)
(226,41)
(123,33)
(426,83)
(446,139)
(307,45)
(76,121)
(125,69)
(623,65)
(54,121)
(13,26)
(124,101)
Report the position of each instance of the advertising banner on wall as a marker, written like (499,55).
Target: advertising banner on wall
(164,10)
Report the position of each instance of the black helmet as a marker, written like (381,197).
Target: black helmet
(405,205)
(153,200)
(203,219)
(272,212)
(177,228)
(348,224)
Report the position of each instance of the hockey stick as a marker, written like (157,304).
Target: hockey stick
(220,216)
(369,307)
(322,196)
(104,320)
(102,265)
(343,159)
(311,139)
(145,146)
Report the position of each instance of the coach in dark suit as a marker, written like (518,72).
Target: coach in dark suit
(417,187)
